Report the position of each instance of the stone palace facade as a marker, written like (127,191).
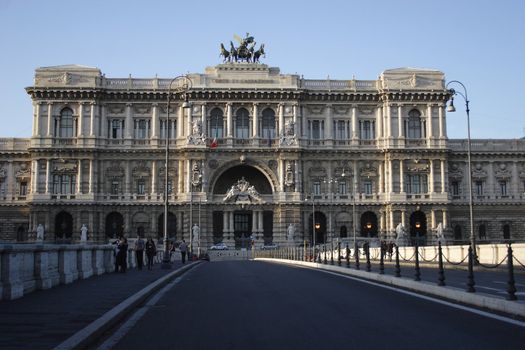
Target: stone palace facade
(249,157)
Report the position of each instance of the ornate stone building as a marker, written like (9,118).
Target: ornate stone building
(247,158)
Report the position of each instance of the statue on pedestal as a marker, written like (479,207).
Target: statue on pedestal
(195,231)
(40,233)
(440,237)
(401,235)
(83,233)
(290,232)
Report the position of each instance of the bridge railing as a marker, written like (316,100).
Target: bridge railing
(490,256)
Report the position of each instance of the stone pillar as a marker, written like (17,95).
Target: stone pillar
(261,228)
(104,122)
(379,122)
(155,121)
(329,122)
(225,222)
(355,134)
(254,221)
(297,179)
(400,124)
(154,177)
(390,220)
(304,123)
(127,176)
(432,219)
(390,181)
(203,119)
(401,176)
(403,217)
(49,119)
(431,180)
(231,222)
(295,119)
(91,176)
(443,181)
(491,184)
(429,122)
(79,177)
(381,179)
(92,119)
(280,130)
(34,177)
(189,124)
(128,128)
(441,122)
(36,126)
(80,131)
(48,176)
(382,226)
(180,123)
(388,126)
(445,219)
(515,182)
(181,176)
(229,120)
(255,121)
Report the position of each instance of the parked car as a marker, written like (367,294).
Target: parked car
(219,246)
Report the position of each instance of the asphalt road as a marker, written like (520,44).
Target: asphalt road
(257,305)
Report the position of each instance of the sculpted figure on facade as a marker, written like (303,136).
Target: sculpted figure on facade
(196,137)
(40,232)
(401,235)
(242,191)
(440,237)
(83,233)
(288,138)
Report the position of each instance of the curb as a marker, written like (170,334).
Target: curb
(454,295)
(88,334)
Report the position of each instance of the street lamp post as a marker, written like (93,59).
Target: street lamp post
(451,108)
(182,88)
(313,226)
(354,219)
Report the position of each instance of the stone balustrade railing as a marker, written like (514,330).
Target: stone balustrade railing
(28,267)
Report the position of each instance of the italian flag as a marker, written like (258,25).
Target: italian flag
(214,142)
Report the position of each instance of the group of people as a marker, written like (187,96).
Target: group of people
(140,247)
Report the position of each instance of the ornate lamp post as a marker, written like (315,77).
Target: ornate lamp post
(182,86)
(313,225)
(451,108)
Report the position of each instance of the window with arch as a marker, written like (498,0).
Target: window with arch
(66,127)
(242,124)
(414,126)
(268,124)
(216,123)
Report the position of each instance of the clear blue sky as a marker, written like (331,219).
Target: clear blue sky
(481,43)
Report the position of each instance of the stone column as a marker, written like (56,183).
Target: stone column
(34,177)
(49,119)
(391,220)
(429,122)
(181,176)
(203,119)
(491,190)
(515,182)
(92,119)
(48,176)
(443,182)
(225,222)
(127,175)
(229,120)
(295,119)
(379,119)
(382,226)
(297,179)
(304,123)
(388,127)
(36,118)
(445,219)
(401,176)
(441,122)
(400,123)
(104,121)
(355,134)
(432,219)
(155,121)
(189,124)
(261,228)
(255,121)
(154,177)
(390,176)
(180,123)
(280,130)
(254,221)
(79,177)
(91,176)
(403,217)
(128,128)
(231,222)
(431,180)
(80,131)
(329,122)
(381,180)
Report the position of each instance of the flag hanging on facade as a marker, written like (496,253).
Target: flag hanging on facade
(214,142)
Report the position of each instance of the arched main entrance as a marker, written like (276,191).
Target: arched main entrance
(369,224)
(172,226)
(418,227)
(114,225)
(320,227)
(242,228)
(141,224)
(63,225)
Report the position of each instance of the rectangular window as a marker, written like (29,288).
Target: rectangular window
(367,130)
(115,187)
(316,129)
(341,188)
(340,130)
(503,188)
(317,188)
(416,183)
(170,187)
(455,188)
(141,186)
(116,129)
(479,188)
(141,128)
(367,187)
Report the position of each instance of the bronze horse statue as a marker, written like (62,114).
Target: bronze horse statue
(257,54)
(225,53)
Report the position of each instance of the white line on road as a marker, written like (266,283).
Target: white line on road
(516,284)
(130,323)
(438,301)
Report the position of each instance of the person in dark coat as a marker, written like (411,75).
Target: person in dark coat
(151,251)
(122,255)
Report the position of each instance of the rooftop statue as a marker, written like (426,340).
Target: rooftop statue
(244,52)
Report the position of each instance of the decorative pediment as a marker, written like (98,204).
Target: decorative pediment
(116,109)
(65,167)
(141,170)
(478,173)
(115,171)
(242,193)
(418,167)
(502,173)
(455,172)
(317,171)
(172,170)
(315,109)
(142,109)
(341,110)
(368,171)
(366,110)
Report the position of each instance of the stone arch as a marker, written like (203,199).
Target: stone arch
(368,225)
(63,225)
(172,226)
(320,227)
(250,169)
(114,225)
(418,226)
(141,224)
(458,236)
(343,222)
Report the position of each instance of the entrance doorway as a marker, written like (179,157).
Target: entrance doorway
(418,227)
(242,228)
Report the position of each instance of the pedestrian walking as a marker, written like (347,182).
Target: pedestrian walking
(122,255)
(139,252)
(115,253)
(183,250)
(151,251)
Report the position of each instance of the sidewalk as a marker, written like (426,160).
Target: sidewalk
(44,319)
